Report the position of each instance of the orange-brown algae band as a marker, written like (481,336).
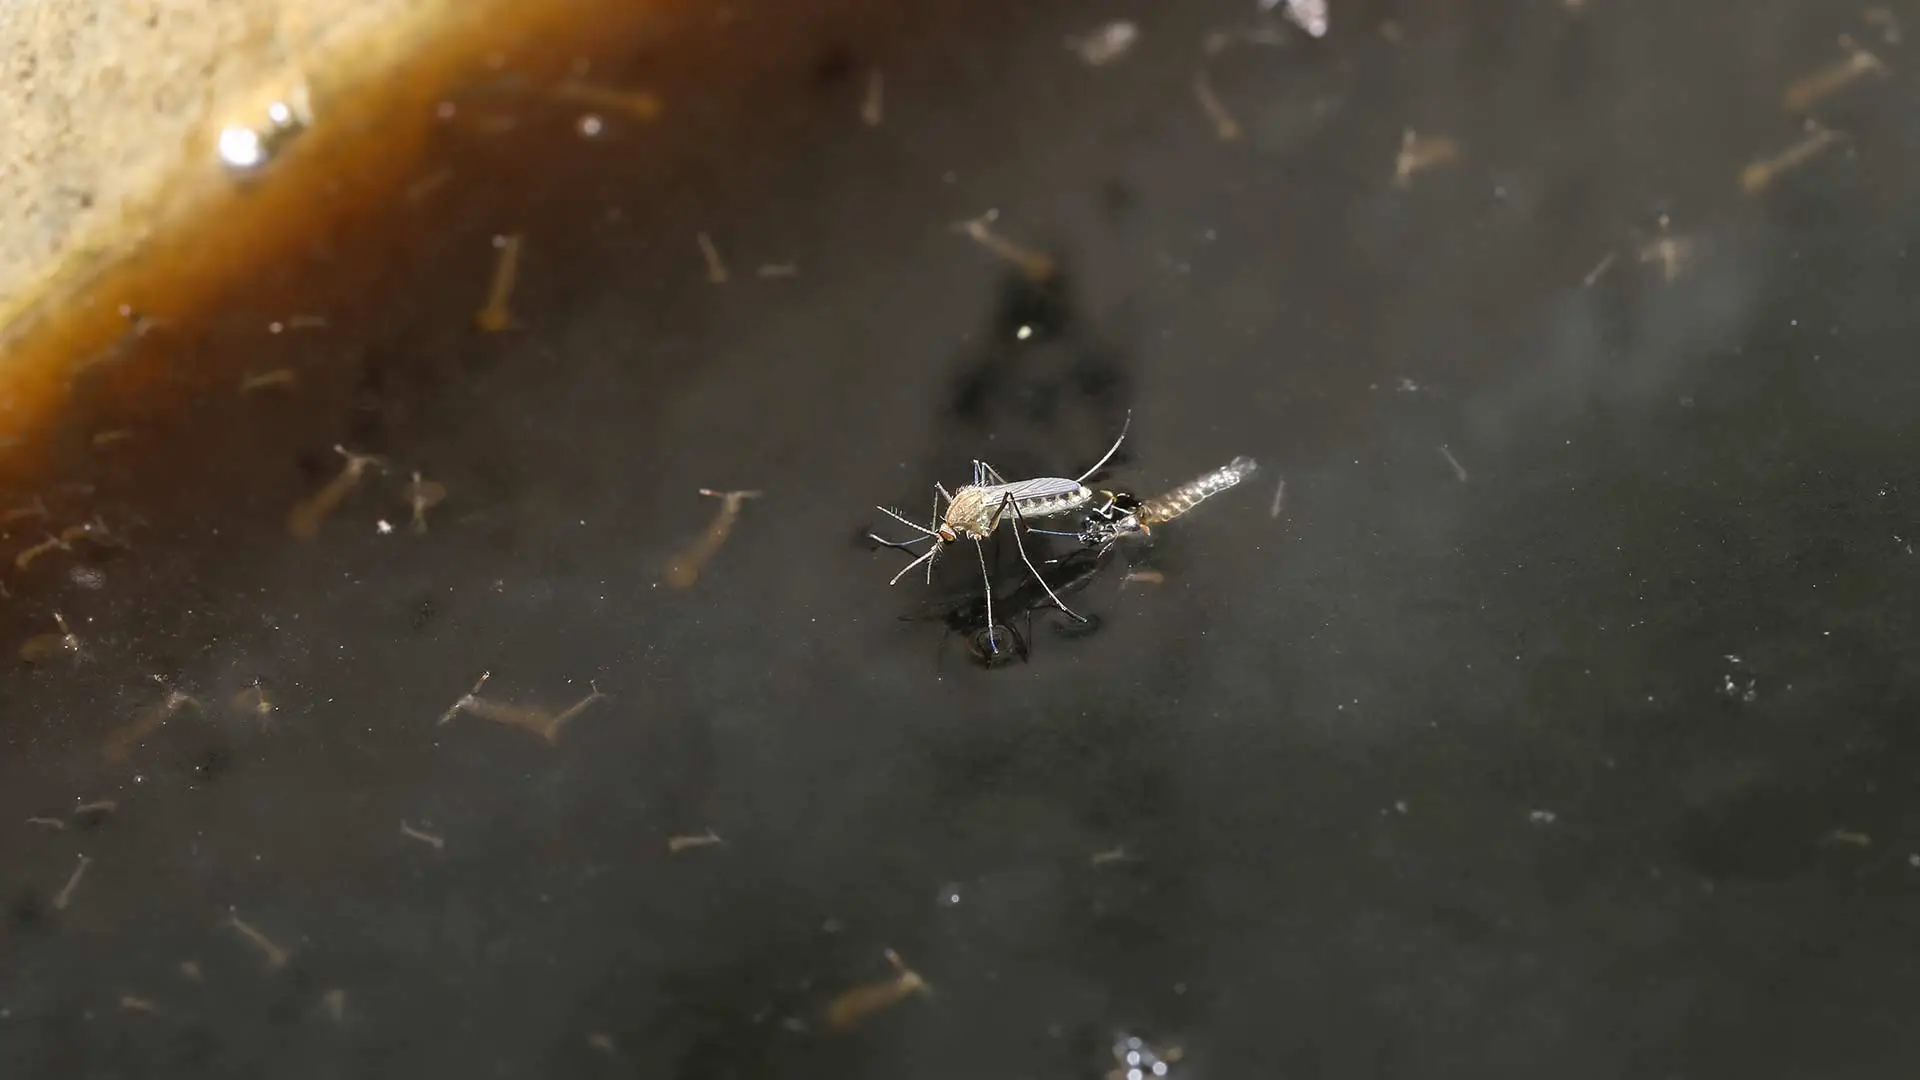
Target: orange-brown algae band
(372,96)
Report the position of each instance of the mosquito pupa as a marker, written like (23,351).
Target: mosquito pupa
(1108,526)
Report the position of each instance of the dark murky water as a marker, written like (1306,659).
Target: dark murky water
(1558,723)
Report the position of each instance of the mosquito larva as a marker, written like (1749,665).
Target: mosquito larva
(873,108)
(1418,153)
(424,495)
(104,439)
(439,843)
(849,1009)
(1803,93)
(303,521)
(334,1004)
(275,956)
(41,648)
(1035,265)
(65,896)
(1459,470)
(121,743)
(130,1003)
(1225,127)
(678,844)
(276,377)
(532,718)
(495,315)
(716,267)
(686,568)
(1145,577)
(36,509)
(635,103)
(52,823)
(26,557)
(252,701)
(1757,175)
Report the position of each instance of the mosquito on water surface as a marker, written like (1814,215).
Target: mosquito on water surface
(977,509)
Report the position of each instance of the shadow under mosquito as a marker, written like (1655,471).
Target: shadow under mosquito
(1002,644)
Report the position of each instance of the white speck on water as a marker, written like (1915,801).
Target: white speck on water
(1542,817)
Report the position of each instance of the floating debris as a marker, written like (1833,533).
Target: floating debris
(1599,270)
(1850,838)
(1106,44)
(1109,857)
(247,147)
(1136,1059)
(131,1003)
(1308,15)
(685,570)
(334,1004)
(190,971)
(847,1011)
(1279,500)
(1145,577)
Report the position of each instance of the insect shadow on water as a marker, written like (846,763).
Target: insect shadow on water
(1000,643)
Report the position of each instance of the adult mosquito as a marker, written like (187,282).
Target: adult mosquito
(978,508)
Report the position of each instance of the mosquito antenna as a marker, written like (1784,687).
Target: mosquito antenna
(1104,458)
(896,516)
(898,545)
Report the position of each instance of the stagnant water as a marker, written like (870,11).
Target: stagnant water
(1555,717)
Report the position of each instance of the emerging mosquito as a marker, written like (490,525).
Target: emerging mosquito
(1120,517)
(978,508)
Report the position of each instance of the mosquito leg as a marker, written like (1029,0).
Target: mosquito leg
(1019,521)
(987,580)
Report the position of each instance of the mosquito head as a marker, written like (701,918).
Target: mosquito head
(946,533)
